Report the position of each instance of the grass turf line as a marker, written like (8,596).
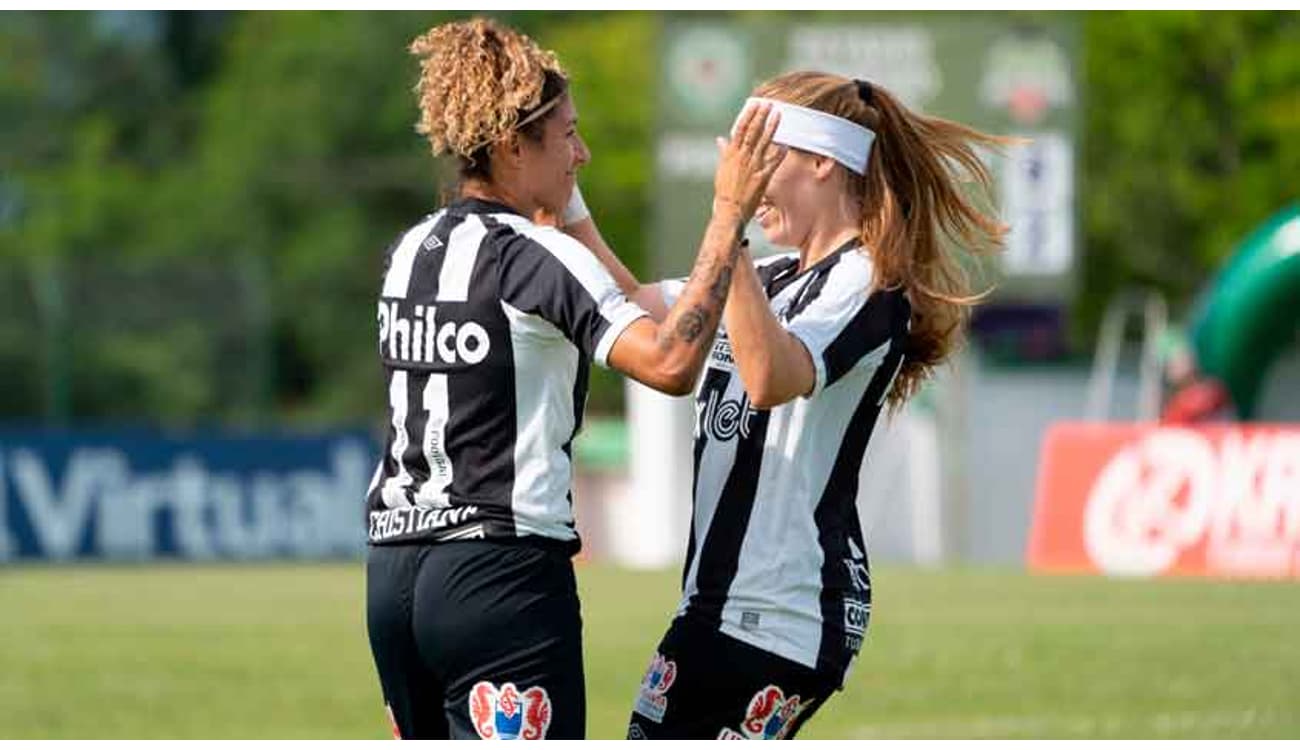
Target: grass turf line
(279,651)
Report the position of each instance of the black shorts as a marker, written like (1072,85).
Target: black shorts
(705,685)
(477,638)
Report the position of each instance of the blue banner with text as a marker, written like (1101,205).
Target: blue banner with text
(139,495)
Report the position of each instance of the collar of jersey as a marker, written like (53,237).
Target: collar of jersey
(471,205)
(781,283)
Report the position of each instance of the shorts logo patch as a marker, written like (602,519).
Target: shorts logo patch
(635,732)
(652,701)
(769,716)
(506,713)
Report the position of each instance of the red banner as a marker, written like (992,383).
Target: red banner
(1146,500)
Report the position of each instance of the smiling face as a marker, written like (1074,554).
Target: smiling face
(549,167)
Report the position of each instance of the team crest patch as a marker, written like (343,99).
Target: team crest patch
(508,713)
(652,701)
(769,716)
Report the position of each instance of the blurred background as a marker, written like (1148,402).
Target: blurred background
(193,212)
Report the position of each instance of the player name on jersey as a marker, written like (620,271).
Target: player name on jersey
(400,523)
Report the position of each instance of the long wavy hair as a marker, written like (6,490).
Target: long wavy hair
(915,210)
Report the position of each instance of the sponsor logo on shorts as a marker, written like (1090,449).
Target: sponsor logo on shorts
(635,732)
(770,716)
(507,713)
(652,702)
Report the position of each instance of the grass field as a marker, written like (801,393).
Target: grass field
(279,651)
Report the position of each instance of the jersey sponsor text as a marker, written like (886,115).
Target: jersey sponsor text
(421,340)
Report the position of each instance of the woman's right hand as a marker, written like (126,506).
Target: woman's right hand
(747,162)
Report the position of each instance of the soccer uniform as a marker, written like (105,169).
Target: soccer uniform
(776,589)
(487,325)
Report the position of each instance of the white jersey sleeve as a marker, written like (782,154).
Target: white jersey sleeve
(841,325)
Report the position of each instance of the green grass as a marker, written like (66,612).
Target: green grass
(280,652)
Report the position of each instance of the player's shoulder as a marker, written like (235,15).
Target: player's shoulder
(851,268)
(535,237)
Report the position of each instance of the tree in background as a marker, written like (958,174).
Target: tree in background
(278,157)
(204,199)
(93,111)
(1192,140)
(309,161)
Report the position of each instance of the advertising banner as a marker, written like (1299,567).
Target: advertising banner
(137,495)
(1146,500)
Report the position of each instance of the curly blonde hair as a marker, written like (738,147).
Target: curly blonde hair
(477,78)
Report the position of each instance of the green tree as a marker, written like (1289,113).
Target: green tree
(308,159)
(1192,140)
(92,112)
(194,206)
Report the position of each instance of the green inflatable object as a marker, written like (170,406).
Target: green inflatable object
(1251,312)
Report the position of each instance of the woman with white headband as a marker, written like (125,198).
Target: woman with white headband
(776,589)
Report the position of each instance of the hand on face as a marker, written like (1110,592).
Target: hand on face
(747,161)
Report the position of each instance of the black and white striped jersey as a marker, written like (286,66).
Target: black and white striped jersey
(487,326)
(776,556)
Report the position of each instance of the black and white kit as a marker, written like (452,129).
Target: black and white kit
(776,557)
(487,326)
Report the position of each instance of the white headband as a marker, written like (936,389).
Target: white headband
(813,130)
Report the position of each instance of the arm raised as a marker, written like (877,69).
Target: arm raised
(668,356)
(773,364)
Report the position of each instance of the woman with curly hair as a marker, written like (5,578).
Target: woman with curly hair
(487,325)
(776,589)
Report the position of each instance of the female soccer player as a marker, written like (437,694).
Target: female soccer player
(776,589)
(487,325)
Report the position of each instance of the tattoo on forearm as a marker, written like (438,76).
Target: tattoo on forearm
(691,324)
(718,292)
